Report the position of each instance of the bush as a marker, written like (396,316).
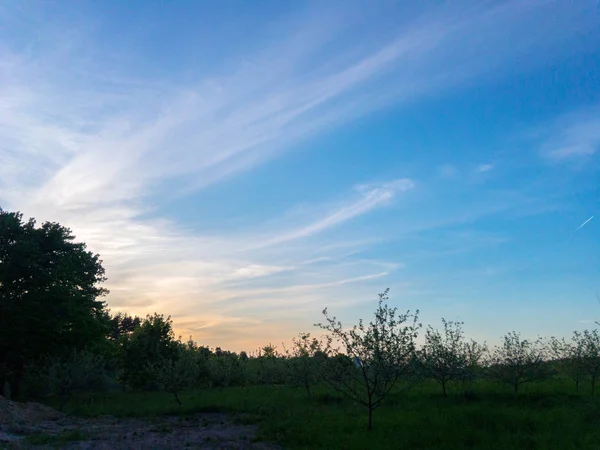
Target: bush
(82,371)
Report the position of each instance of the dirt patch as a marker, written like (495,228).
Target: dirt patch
(31,425)
(27,418)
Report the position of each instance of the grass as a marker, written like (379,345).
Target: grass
(54,439)
(545,415)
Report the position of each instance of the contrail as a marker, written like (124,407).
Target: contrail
(584,223)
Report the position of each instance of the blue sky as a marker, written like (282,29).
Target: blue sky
(242,165)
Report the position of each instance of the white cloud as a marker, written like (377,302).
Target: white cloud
(449,172)
(573,138)
(484,168)
(371,197)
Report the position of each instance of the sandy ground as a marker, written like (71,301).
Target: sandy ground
(210,431)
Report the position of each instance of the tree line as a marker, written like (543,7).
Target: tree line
(57,337)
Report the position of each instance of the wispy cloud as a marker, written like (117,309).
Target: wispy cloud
(482,168)
(448,172)
(573,138)
(200,133)
(371,197)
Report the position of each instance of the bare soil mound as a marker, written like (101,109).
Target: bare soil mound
(26,418)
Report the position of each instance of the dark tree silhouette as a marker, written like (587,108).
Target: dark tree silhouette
(49,295)
(122,325)
(151,343)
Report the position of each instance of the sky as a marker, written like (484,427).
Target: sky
(242,165)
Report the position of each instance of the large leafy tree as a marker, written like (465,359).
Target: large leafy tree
(50,294)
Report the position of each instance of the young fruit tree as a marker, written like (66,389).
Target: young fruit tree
(176,372)
(374,356)
(474,355)
(443,356)
(589,342)
(569,357)
(82,371)
(518,361)
(152,342)
(303,359)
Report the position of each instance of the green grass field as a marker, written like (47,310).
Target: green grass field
(547,415)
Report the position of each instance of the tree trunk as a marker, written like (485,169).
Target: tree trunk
(370,413)
(5,390)
(16,384)
(593,384)
(307,386)
(516,386)
(177,398)
(444,388)
(3,381)
(64,402)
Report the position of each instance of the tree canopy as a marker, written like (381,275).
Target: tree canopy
(50,294)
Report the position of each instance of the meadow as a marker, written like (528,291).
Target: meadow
(543,415)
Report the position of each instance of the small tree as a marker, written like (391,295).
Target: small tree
(204,356)
(518,361)
(122,325)
(227,369)
(271,366)
(569,357)
(81,371)
(474,353)
(153,342)
(443,356)
(176,372)
(376,355)
(269,351)
(302,362)
(589,342)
